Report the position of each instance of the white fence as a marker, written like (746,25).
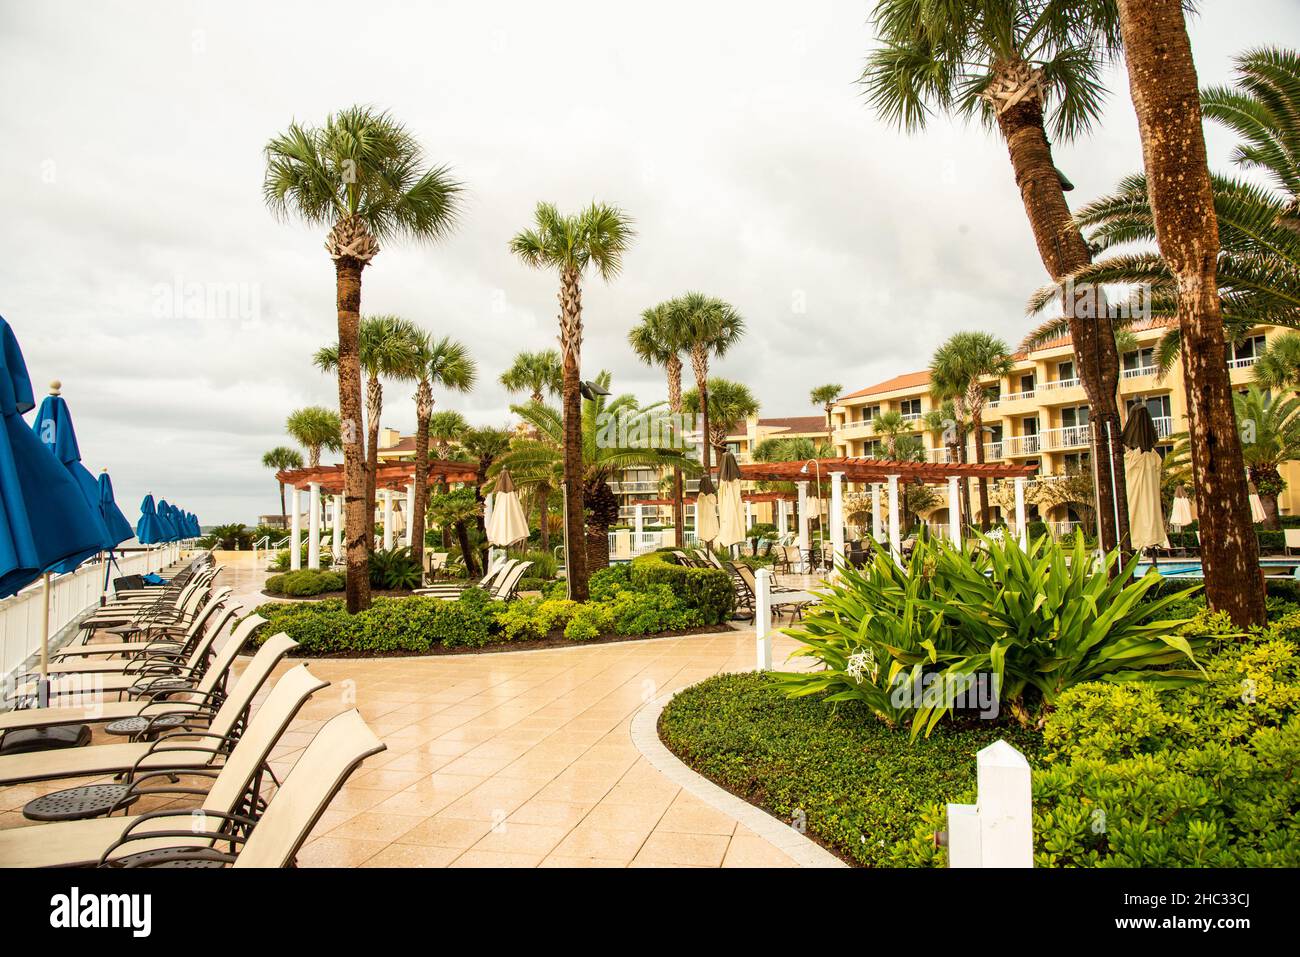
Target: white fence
(70,596)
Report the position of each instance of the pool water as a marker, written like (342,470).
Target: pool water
(1273,568)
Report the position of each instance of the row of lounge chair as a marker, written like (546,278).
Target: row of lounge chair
(501,582)
(172,696)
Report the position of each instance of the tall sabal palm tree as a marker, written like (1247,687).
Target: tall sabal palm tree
(1270,436)
(280,458)
(654,343)
(315,427)
(824,397)
(595,238)
(706,327)
(730,404)
(1278,366)
(540,374)
(386,347)
(362,175)
(902,444)
(959,369)
(952,427)
(1024,67)
(1162,82)
(435,363)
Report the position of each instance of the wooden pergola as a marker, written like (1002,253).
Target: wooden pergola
(389,475)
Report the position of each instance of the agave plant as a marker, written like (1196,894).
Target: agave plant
(1037,620)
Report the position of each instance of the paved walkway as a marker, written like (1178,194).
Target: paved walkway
(511,759)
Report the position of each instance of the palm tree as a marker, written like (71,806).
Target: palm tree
(1278,366)
(363,176)
(315,427)
(446,428)
(1270,435)
(386,347)
(1162,81)
(280,458)
(824,396)
(958,371)
(1022,66)
(540,374)
(540,460)
(903,445)
(730,404)
(440,363)
(705,326)
(596,237)
(652,339)
(952,427)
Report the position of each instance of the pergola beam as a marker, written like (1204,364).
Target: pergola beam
(878,470)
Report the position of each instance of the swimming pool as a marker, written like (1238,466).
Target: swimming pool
(1272,567)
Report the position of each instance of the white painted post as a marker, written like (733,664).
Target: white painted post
(877,532)
(638,522)
(388,518)
(954,512)
(295,530)
(763,617)
(410,510)
(338,529)
(749,516)
(1022,528)
(313,525)
(998,831)
(837,519)
(895,535)
(804,541)
(782,517)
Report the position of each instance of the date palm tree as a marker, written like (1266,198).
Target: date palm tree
(595,237)
(1269,427)
(386,347)
(706,327)
(434,363)
(824,397)
(540,374)
(1278,366)
(958,371)
(315,427)
(1024,67)
(364,177)
(1162,82)
(730,404)
(280,458)
(653,342)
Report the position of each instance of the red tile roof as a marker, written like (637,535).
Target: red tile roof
(797,423)
(908,380)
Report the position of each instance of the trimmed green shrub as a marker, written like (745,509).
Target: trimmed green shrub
(534,617)
(655,609)
(393,569)
(707,590)
(305,582)
(606,582)
(589,621)
(389,625)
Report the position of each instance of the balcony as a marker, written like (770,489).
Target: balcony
(1049,440)
(1243,363)
(1019,396)
(1164,425)
(1138,372)
(1060,384)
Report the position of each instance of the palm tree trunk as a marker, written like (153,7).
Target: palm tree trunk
(977,424)
(1162,80)
(575,558)
(374,409)
(1062,249)
(466,552)
(700,366)
(423,409)
(543,526)
(597,547)
(358,526)
(674,368)
(284,514)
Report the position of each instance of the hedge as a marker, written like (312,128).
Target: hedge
(304,583)
(708,590)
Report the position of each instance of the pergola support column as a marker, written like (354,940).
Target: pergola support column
(877,532)
(388,519)
(805,544)
(313,525)
(837,519)
(295,530)
(895,537)
(408,541)
(954,511)
(1022,527)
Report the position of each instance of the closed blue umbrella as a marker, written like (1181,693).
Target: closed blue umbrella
(149,530)
(119,529)
(44,518)
(53,426)
(165,515)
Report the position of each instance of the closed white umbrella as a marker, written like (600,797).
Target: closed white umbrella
(1180,515)
(731,510)
(1142,465)
(507,524)
(706,511)
(1256,509)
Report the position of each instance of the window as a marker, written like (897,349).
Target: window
(993,394)
(1064,371)
(1161,412)
(1029,429)
(1139,359)
(1074,417)
(1247,350)
(1027,383)
(870,413)
(873,449)
(911,408)
(1077,462)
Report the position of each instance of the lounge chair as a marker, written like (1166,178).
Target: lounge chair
(275,838)
(452,589)
(176,638)
(745,575)
(1291,539)
(230,804)
(186,748)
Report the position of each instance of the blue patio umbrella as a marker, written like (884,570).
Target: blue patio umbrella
(170,532)
(149,530)
(44,518)
(53,426)
(119,529)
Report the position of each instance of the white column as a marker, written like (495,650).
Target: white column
(749,515)
(782,517)
(313,525)
(338,529)
(295,530)
(1022,528)
(837,519)
(895,538)
(763,618)
(954,511)
(388,518)
(804,543)
(877,532)
(638,523)
(410,510)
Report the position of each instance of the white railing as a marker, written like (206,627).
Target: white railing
(1071,436)
(1164,425)
(993,450)
(910,416)
(1017,396)
(1139,371)
(1060,384)
(1243,363)
(71,595)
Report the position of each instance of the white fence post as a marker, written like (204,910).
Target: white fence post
(763,617)
(998,831)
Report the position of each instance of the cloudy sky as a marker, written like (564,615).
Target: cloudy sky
(139,265)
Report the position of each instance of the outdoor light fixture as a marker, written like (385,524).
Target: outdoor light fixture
(1066,185)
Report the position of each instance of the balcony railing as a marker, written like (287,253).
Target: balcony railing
(1017,396)
(1060,384)
(911,416)
(1068,437)
(1164,425)
(1243,363)
(1138,371)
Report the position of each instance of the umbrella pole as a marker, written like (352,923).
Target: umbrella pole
(1114,488)
(43,686)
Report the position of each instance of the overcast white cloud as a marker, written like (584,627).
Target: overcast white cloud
(732,132)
